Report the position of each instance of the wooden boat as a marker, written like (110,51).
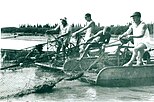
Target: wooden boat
(114,76)
(119,76)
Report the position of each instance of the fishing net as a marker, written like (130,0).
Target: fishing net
(31,80)
(26,81)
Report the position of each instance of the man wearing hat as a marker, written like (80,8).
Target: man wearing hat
(63,36)
(140,36)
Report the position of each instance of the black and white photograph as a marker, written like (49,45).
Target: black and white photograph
(77,51)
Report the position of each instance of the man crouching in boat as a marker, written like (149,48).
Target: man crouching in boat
(140,36)
(63,38)
(98,40)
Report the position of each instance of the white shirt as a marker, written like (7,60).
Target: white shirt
(137,30)
(65,29)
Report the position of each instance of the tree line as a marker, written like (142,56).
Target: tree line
(41,29)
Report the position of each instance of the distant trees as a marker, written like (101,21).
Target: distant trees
(38,28)
(34,29)
(9,30)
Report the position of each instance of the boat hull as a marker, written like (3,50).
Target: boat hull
(122,76)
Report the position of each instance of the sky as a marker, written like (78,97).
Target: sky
(105,12)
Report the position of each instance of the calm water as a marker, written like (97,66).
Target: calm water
(12,82)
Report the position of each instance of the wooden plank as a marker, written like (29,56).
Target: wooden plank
(49,66)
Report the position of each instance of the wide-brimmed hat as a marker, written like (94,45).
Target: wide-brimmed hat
(136,14)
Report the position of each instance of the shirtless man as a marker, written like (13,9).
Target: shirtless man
(140,36)
(89,28)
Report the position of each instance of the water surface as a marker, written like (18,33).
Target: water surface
(12,82)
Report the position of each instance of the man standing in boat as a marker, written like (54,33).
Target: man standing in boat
(140,36)
(89,28)
(98,40)
(63,36)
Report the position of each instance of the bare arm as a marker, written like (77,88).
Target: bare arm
(94,36)
(128,32)
(98,34)
(84,28)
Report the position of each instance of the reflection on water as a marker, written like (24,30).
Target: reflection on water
(67,91)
